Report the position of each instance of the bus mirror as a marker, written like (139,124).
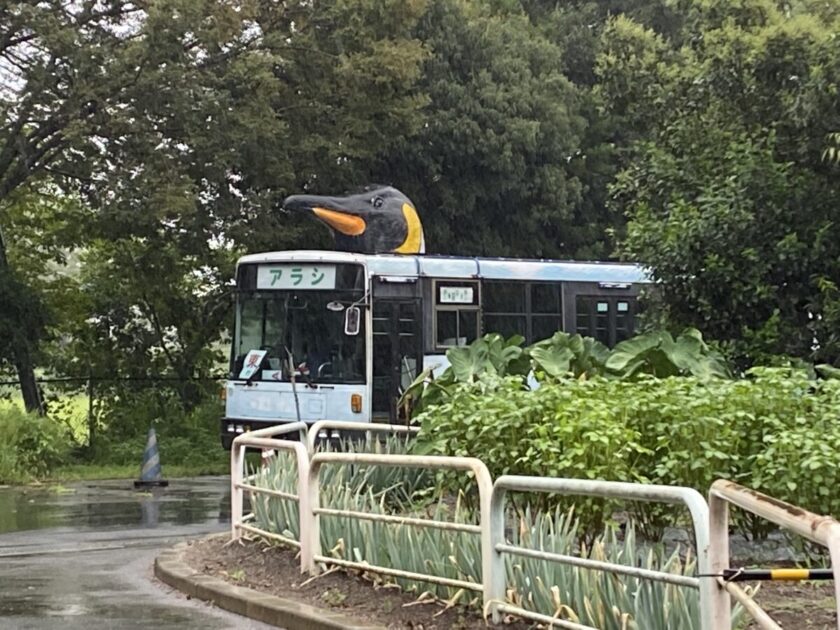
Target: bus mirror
(352,320)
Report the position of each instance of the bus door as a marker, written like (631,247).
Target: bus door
(397,353)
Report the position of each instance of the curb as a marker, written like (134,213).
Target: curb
(171,569)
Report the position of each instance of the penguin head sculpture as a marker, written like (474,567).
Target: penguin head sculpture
(376,221)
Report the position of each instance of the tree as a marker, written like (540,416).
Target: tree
(180,125)
(489,167)
(729,200)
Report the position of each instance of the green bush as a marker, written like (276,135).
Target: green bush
(184,438)
(775,431)
(31,446)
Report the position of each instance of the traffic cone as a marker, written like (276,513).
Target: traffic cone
(150,475)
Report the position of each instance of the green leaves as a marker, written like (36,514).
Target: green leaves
(564,354)
(775,431)
(661,355)
(728,198)
(489,354)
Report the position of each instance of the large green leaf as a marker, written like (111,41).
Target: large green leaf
(555,362)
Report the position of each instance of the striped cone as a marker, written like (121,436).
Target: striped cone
(150,475)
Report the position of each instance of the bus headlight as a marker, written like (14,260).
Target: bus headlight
(356,403)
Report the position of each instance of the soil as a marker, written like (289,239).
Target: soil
(276,570)
(795,605)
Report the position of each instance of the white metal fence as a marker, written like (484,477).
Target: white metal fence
(710,526)
(823,530)
(609,489)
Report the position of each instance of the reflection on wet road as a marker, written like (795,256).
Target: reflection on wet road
(80,556)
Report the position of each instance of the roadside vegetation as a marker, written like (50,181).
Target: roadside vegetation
(654,409)
(57,447)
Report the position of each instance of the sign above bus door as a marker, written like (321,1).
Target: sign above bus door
(456,295)
(296,276)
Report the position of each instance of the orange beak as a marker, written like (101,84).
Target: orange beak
(345,223)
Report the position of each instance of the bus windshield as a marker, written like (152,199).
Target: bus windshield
(307,324)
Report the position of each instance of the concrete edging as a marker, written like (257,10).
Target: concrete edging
(171,569)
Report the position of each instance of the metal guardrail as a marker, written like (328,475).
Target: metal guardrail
(692,499)
(470,464)
(266,439)
(710,522)
(368,427)
(822,530)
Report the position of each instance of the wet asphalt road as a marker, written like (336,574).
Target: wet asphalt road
(81,556)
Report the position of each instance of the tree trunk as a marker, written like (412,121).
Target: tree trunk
(22,356)
(26,375)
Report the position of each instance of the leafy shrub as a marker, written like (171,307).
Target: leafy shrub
(562,355)
(32,446)
(776,432)
(186,438)
(659,354)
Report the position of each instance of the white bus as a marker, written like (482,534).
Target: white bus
(334,335)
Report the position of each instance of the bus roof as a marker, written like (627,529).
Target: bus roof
(435,266)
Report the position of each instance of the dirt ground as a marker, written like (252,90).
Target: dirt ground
(275,570)
(795,605)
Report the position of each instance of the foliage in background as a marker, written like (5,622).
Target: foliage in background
(728,197)
(590,597)
(188,439)
(32,446)
(563,355)
(144,147)
(776,432)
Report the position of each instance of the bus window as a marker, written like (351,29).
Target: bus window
(547,309)
(504,308)
(306,322)
(456,313)
(531,309)
(609,319)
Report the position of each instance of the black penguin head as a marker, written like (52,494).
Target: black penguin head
(376,221)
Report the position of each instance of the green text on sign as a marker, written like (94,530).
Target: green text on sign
(296,276)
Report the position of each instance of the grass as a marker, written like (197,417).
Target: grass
(85,472)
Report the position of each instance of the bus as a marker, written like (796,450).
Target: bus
(336,335)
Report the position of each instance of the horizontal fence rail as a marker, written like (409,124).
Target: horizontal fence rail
(368,427)
(688,497)
(822,530)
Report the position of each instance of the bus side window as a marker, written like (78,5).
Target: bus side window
(456,313)
(608,319)
(504,308)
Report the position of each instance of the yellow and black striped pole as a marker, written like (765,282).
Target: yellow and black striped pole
(787,575)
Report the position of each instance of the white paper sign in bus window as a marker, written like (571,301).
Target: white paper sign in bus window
(456,295)
(296,276)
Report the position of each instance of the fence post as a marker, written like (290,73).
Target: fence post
(310,522)
(305,515)
(237,456)
(495,580)
(719,560)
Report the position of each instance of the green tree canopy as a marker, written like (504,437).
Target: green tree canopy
(729,200)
